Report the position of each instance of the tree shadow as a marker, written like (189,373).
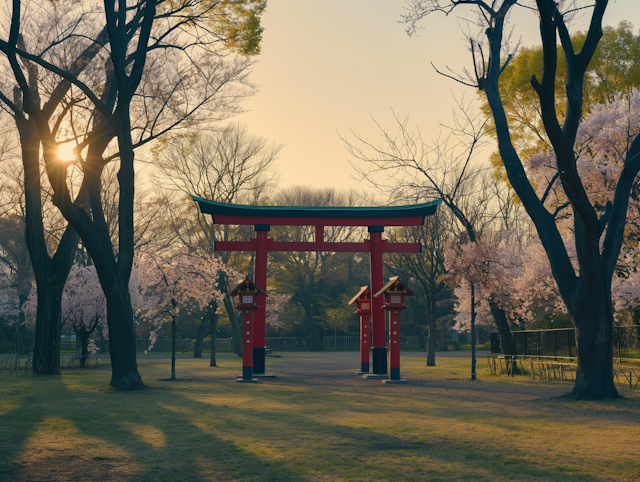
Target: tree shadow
(189,431)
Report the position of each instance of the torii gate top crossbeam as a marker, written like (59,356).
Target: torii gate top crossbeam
(411,215)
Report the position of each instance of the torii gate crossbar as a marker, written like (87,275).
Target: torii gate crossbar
(375,218)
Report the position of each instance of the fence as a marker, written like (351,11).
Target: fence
(561,342)
(289,343)
(548,369)
(25,364)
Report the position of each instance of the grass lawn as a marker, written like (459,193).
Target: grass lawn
(316,421)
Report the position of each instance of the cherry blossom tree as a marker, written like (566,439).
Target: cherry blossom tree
(276,306)
(84,307)
(182,282)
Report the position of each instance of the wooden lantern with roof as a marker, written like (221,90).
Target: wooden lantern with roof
(363,300)
(247,293)
(394,293)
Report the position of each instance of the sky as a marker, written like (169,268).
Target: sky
(329,68)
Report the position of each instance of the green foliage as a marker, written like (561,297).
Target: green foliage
(238,21)
(614,69)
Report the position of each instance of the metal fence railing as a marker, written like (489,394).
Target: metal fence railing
(288,343)
(562,343)
(546,368)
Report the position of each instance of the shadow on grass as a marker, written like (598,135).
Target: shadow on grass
(129,445)
(73,428)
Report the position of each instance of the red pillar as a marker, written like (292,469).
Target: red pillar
(365,342)
(260,279)
(394,343)
(379,342)
(247,345)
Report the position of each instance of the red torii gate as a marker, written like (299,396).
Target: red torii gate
(263,217)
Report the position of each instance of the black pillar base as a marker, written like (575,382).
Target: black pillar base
(379,357)
(258,360)
(394,373)
(247,376)
(364,367)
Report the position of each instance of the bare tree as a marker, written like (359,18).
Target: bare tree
(311,277)
(427,268)
(229,165)
(406,167)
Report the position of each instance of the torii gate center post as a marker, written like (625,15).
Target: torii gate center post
(375,218)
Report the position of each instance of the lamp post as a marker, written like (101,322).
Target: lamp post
(394,292)
(247,293)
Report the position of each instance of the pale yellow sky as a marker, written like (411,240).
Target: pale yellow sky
(329,66)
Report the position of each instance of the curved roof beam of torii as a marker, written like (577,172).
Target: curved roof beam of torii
(411,215)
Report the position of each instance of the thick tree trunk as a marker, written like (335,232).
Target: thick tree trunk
(50,273)
(593,322)
(46,352)
(314,330)
(122,338)
(431,343)
(197,351)
(507,342)
(316,338)
(504,332)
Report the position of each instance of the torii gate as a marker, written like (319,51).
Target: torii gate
(375,218)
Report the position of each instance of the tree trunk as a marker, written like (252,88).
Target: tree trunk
(593,322)
(314,330)
(46,352)
(50,273)
(83,336)
(504,332)
(173,348)
(432,331)
(473,332)
(431,342)
(197,352)
(213,324)
(316,338)
(236,325)
(122,338)
(21,343)
(507,343)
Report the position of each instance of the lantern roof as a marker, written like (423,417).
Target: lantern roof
(247,286)
(395,285)
(364,292)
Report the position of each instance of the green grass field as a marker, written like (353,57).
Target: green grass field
(316,421)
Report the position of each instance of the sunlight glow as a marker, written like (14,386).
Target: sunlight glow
(65,152)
